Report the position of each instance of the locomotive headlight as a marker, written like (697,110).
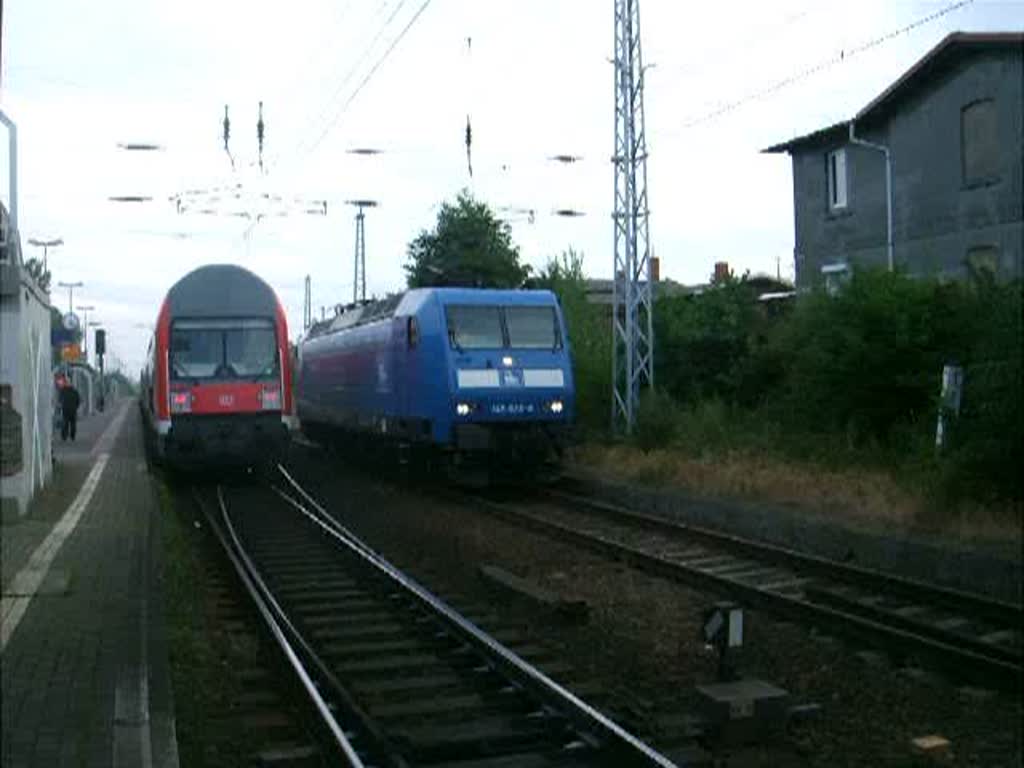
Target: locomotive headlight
(507,361)
(270,398)
(181,401)
(556,406)
(463,409)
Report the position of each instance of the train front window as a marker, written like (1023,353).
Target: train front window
(195,353)
(251,352)
(475,327)
(223,349)
(532,328)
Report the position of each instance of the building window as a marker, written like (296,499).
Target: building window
(834,276)
(836,166)
(979,142)
(983,259)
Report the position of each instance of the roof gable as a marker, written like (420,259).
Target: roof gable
(946,54)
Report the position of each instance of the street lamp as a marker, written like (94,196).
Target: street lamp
(85,309)
(46,245)
(71,292)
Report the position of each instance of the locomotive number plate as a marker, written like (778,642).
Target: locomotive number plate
(512,409)
(226,401)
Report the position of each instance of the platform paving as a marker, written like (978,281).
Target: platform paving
(82,648)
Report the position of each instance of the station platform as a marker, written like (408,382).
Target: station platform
(83,651)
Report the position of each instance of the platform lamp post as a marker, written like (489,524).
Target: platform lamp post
(46,245)
(85,309)
(71,292)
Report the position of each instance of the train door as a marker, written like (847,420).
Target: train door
(407,370)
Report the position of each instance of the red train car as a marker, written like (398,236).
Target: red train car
(217,386)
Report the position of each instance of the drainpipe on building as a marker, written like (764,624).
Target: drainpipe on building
(888,187)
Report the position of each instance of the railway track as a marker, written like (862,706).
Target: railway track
(965,636)
(396,676)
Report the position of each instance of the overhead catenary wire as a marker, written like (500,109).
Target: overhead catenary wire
(839,58)
(315,115)
(316,56)
(369,75)
(303,145)
(339,90)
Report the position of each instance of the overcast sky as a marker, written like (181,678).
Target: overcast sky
(79,78)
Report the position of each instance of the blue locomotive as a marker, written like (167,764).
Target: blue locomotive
(482,375)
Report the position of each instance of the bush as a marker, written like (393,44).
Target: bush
(860,362)
(703,340)
(986,450)
(657,420)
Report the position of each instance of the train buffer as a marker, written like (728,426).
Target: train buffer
(85,677)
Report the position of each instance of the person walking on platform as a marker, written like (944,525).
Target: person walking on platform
(69,401)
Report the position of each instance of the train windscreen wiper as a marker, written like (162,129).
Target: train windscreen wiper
(453,338)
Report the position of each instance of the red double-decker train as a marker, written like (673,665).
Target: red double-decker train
(217,386)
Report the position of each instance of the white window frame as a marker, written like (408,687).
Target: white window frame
(836,170)
(835,276)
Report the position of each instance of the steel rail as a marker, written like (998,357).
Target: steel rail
(267,609)
(978,605)
(581,714)
(994,671)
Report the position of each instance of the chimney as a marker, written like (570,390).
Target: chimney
(721,271)
(655,269)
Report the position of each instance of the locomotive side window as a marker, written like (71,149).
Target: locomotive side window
(414,332)
(223,349)
(532,328)
(475,327)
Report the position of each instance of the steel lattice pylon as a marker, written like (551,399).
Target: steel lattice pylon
(359,277)
(632,328)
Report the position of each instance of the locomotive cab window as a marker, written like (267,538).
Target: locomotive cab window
(224,349)
(413,330)
(532,328)
(475,327)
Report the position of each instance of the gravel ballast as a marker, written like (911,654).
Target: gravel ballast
(642,633)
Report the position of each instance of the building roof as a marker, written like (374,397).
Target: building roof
(601,290)
(947,52)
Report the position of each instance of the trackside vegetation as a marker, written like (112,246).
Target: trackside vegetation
(839,381)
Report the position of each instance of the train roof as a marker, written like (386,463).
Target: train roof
(221,290)
(410,301)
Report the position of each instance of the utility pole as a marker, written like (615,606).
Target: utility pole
(632,319)
(359,278)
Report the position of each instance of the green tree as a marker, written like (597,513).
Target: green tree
(590,337)
(703,341)
(468,247)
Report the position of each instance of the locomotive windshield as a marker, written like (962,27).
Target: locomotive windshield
(531,327)
(223,349)
(476,327)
